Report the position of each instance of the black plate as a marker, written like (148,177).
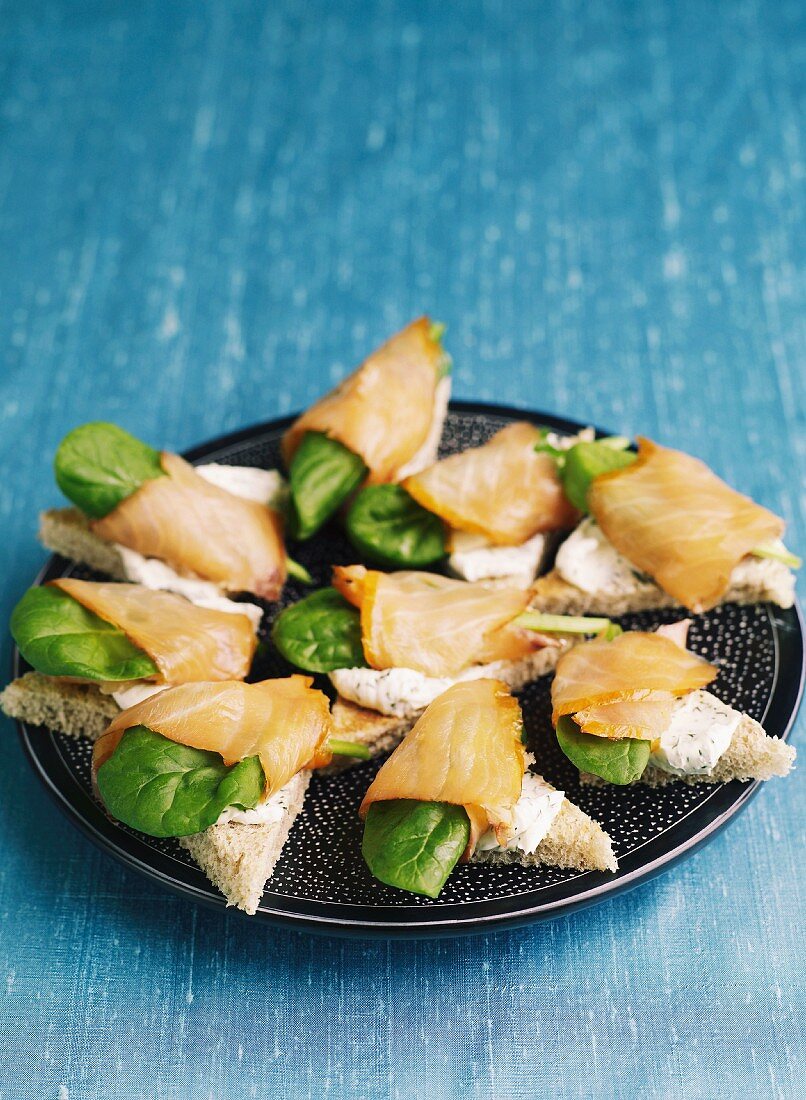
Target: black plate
(321,883)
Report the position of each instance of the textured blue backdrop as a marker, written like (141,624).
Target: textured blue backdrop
(209,211)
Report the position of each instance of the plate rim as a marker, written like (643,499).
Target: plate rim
(416,925)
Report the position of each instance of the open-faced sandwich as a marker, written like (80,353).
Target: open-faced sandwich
(379,425)
(98,647)
(634,709)
(392,642)
(662,530)
(223,767)
(499,504)
(459,787)
(152,518)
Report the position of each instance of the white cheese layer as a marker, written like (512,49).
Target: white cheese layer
(535,812)
(591,563)
(768,575)
(269,812)
(427,454)
(264,486)
(135,692)
(251,483)
(402,692)
(700,731)
(474,558)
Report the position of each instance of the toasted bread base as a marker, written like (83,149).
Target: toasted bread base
(751,754)
(574,841)
(66,531)
(79,710)
(240,859)
(556,596)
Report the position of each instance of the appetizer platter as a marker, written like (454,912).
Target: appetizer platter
(401,666)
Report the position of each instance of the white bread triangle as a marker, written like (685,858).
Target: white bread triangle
(237,858)
(556,596)
(66,531)
(751,754)
(574,841)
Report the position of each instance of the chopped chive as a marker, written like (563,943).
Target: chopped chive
(562,624)
(298,571)
(778,552)
(348,748)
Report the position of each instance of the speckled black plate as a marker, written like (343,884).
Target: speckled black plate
(321,882)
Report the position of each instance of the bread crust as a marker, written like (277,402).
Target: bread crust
(750,755)
(556,596)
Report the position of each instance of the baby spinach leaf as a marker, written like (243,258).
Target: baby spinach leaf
(320,633)
(586,461)
(618,762)
(390,528)
(165,789)
(414,845)
(59,637)
(322,475)
(98,465)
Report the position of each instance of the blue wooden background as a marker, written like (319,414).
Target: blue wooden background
(208,212)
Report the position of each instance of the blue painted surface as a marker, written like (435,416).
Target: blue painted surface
(209,211)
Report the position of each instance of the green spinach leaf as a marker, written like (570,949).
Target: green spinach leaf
(98,465)
(586,461)
(320,633)
(322,475)
(389,527)
(59,637)
(414,845)
(619,762)
(165,789)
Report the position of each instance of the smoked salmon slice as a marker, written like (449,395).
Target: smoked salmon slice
(465,749)
(645,719)
(433,624)
(201,530)
(503,490)
(674,519)
(284,722)
(186,642)
(383,411)
(629,668)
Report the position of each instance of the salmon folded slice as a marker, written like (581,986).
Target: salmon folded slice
(465,749)
(286,723)
(186,642)
(630,668)
(503,490)
(674,519)
(433,624)
(202,530)
(645,718)
(383,411)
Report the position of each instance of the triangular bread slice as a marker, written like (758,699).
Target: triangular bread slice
(555,596)
(574,841)
(237,858)
(751,754)
(66,531)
